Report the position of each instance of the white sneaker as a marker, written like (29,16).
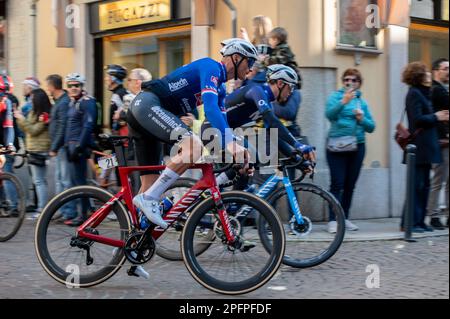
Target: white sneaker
(151,210)
(350,226)
(332,227)
(141,272)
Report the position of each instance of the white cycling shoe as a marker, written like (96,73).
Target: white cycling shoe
(151,209)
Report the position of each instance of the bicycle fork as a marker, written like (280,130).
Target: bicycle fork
(223,216)
(293,202)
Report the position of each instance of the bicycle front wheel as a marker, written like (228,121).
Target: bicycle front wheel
(308,244)
(228,269)
(12,206)
(78,261)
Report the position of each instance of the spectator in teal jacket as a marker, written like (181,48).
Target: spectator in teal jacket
(349,115)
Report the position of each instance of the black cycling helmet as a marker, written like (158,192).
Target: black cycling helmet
(117,71)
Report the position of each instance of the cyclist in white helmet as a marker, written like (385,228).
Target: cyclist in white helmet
(154,117)
(253,102)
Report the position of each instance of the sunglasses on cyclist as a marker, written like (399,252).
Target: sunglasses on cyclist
(251,62)
(73,86)
(353,80)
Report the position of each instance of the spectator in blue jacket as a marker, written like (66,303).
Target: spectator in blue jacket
(57,131)
(349,115)
(79,136)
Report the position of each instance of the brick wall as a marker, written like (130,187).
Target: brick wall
(19,42)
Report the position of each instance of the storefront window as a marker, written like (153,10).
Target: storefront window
(422,9)
(427,44)
(353,30)
(159,51)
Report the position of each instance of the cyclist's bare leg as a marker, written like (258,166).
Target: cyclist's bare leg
(147,181)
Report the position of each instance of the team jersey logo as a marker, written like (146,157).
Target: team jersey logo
(215,80)
(176,86)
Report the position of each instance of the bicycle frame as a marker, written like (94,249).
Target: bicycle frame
(207,182)
(269,186)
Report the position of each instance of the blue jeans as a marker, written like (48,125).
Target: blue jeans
(344,170)
(39,175)
(78,171)
(63,182)
(9,190)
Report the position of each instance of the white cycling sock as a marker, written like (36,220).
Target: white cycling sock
(167,178)
(222,179)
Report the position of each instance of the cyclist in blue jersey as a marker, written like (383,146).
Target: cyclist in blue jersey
(253,102)
(154,117)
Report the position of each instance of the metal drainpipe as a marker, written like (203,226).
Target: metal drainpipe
(233,16)
(33,57)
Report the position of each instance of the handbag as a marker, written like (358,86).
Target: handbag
(36,159)
(342,144)
(402,135)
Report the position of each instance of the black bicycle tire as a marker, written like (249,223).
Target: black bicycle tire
(20,204)
(174,255)
(340,219)
(40,236)
(250,284)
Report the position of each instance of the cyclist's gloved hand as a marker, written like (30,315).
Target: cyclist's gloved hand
(308,152)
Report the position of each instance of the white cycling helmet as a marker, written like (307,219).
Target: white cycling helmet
(75,77)
(283,73)
(239,46)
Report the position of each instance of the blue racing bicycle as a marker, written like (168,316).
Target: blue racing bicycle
(305,210)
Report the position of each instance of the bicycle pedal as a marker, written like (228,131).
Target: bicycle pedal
(132,271)
(247,246)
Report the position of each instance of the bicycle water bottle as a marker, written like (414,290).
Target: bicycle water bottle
(167,204)
(143,220)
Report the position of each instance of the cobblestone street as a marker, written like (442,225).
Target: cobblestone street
(407,270)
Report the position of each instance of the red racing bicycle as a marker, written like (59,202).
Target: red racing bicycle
(223,253)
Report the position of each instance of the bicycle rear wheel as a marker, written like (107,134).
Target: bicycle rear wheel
(63,254)
(168,246)
(228,269)
(309,244)
(12,206)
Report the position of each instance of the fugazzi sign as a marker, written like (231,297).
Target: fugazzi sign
(121,14)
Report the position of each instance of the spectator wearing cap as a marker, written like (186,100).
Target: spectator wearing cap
(79,136)
(30,84)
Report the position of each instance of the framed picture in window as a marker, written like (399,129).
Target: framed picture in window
(353,26)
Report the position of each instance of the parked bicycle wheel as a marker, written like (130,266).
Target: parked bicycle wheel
(231,269)
(168,246)
(12,206)
(75,261)
(308,244)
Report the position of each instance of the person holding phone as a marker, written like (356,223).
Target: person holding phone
(350,119)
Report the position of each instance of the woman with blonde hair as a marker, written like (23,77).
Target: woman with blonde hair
(262,25)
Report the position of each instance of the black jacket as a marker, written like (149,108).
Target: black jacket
(421,115)
(439,97)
